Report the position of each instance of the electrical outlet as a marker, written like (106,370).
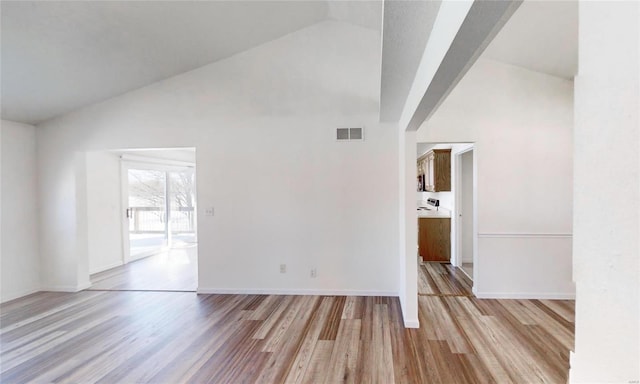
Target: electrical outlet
(208,211)
(283,268)
(314,273)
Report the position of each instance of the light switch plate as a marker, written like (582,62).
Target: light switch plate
(208,211)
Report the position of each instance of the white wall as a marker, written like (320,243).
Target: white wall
(19,244)
(465,211)
(284,191)
(1,290)
(408,227)
(104,210)
(521,124)
(607,178)
(178,154)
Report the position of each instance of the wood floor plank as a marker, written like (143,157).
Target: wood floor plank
(518,361)
(288,342)
(281,306)
(342,364)
(564,308)
(23,317)
(473,369)
(404,362)
(382,344)
(304,357)
(265,308)
(543,319)
(330,330)
(220,357)
(484,348)
(425,283)
(317,370)
(299,311)
(350,308)
(536,340)
(219,327)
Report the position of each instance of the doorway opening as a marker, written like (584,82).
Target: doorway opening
(158,223)
(160,209)
(445,215)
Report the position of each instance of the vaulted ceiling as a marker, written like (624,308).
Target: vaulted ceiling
(58,56)
(541,36)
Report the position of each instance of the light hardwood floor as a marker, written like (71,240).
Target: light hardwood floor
(173,270)
(172,337)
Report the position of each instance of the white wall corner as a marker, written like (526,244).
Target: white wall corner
(408,225)
(20,269)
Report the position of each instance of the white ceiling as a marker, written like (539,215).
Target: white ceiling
(58,56)
(541,36)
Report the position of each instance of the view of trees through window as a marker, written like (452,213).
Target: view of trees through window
(147,206)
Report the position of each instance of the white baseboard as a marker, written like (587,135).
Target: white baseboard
(414,323)
(297,292)
(17,295)
(526,295)
(67,288)
(59,288)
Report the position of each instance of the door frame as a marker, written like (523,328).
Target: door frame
(140,162)
(474,214)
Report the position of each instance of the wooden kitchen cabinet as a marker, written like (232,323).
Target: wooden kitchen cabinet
(435,168)
(434,239)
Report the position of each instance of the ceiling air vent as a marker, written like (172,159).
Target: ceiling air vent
(349,134)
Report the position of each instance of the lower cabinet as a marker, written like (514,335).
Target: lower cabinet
(434,239)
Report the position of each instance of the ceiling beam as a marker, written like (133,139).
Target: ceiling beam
(406,29)
(462,31)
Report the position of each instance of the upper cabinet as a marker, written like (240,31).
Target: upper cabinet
(434,170)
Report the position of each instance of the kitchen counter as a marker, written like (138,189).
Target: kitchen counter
(432,213)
